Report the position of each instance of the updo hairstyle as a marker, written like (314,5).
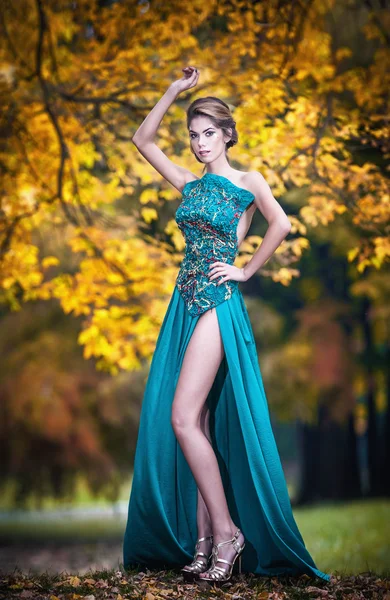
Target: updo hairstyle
(219,113)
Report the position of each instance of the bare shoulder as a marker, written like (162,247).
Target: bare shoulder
(257,184)
(252,180)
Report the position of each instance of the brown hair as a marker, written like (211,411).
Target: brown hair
(219,113)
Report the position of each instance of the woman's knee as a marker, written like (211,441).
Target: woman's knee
(182,424)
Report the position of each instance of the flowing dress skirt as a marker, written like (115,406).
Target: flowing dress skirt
(161,528)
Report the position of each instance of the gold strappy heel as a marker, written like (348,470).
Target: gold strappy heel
(219,575)
(198,565)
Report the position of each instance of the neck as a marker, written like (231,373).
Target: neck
(220,166)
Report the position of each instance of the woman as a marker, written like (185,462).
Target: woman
(206,466)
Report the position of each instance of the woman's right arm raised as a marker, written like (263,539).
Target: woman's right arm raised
(143,138)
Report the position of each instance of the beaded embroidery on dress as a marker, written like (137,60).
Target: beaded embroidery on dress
(161,528)
(208,217)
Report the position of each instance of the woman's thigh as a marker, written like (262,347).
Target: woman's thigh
(201,361)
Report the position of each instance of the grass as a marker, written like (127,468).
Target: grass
(81,497)
(351,537)
(345,538)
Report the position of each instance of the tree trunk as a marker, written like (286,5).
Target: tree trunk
(329,460)
(385,469)
(373,458)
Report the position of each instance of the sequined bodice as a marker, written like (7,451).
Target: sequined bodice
(208,217)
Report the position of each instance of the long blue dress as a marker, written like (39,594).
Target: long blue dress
(161,528)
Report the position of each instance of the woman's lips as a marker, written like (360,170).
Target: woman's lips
(203,152)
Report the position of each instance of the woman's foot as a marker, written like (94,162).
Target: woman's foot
(202,555)
(227,552)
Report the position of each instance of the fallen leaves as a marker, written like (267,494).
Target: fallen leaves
(165,585)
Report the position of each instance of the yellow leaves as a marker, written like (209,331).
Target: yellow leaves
(118,336)
(172,230)
(370,253)
(27,195)
(290,128)
(149,195)
(50,261)
(85,153)
(352,253)
(296,225)
(363,264)
(7,73)
(321,210)
(80,244)
(298,245)
(313,56)
(339,208)
(20,267)
(95,343)
(250,243)
(285,275)
(360,175)
(373,209)
(122,294)
(382,250)
(168,194)
(149,214)
(343,52)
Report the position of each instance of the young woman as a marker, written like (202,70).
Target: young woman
(207,468)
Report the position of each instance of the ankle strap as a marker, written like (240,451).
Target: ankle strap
(202,539)
(234,538)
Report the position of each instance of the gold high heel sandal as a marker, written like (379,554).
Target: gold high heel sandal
(198,565)
(219,575)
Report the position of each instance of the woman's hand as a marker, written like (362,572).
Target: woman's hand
(189,80)
(221,269)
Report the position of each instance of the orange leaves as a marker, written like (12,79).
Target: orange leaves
(368,254)
(297,226)
(123,295)
(76,190)
(321,210)
(284,275)
(278,266)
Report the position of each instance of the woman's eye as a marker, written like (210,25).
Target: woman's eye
(194,135)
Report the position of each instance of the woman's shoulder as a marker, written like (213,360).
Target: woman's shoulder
(251,176)
(251,180)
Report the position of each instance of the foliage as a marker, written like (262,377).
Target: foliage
(86,220)
(61,420)
(160,585)
(315,362)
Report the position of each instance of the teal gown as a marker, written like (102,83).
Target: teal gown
(161,528)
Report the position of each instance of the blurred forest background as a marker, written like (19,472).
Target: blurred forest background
(89,248)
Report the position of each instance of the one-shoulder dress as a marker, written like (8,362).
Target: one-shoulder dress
(161,529)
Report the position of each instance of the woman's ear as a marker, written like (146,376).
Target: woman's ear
(228,135)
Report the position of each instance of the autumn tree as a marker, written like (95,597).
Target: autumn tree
(77,79)
(86,221)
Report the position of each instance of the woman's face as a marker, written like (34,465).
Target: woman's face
(207,140)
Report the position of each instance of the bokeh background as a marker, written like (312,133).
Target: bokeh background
(89,252)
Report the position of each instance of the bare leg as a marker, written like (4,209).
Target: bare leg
(202,514)
(200,365)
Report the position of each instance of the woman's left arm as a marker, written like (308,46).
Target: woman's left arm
(278,222)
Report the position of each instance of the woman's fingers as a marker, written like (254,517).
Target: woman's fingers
(190,69)
(191,75)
